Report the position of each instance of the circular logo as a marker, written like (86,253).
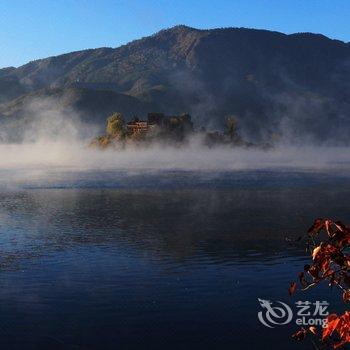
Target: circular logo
(275,313)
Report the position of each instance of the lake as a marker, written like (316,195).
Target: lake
(157,260)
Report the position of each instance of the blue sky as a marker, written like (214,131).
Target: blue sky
(31,29)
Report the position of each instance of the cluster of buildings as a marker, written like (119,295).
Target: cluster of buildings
(181,123)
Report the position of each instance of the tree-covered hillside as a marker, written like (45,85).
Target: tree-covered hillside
(293,86)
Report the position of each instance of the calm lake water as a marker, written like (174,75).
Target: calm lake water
(174,260)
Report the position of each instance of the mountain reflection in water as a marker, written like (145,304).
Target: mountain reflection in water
(155,260)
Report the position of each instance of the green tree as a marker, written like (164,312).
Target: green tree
(115,124)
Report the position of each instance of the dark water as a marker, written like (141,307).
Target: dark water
(156,261)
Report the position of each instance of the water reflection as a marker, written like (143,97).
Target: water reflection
(141,264)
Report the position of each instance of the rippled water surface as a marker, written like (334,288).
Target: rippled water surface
(175,260)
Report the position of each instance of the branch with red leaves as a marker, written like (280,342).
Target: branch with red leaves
(330,263)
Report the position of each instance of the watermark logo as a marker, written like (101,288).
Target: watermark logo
(277,313)
(274,313)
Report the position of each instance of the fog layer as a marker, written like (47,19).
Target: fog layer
(57,137)
(193,156)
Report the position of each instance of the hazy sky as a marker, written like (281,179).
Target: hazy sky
(31,29)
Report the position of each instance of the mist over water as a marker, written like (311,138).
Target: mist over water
(178,236)
(56,140)
(74,165)
(192,156)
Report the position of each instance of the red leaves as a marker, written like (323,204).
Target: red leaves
(330,263)
(300,334)
(339,325)
(313,330)
(292,288)
(314,271)
(316,226)
(332,323)
(346,296)
(302,279)
(315,252)
(340,226)
(328,227)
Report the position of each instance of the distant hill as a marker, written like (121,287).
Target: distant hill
(277,85)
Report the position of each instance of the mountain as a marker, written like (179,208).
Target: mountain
(295,86)
(89,104)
